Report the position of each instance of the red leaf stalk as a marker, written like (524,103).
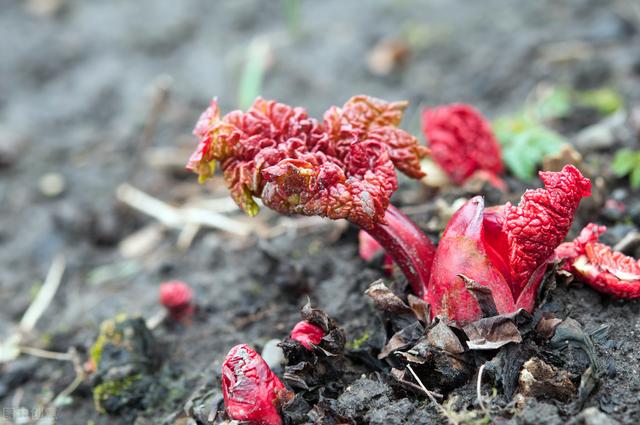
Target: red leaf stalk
(409,247)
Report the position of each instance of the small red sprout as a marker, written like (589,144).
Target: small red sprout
(595,263)
(462,143)
(252,392)
(368,248)
(505,249)
(177,298)
(307,334)
(342,167)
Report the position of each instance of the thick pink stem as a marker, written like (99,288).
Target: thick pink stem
(410,248)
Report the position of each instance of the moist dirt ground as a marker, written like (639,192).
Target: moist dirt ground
(82,113)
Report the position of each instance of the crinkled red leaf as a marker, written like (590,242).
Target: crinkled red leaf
(251,391)
(307,334)
(379,119)
(341,168)
(541,221)
(462,142)
(359,192)
(607,271)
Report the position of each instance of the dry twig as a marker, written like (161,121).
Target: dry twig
(178,217)
(479,388)
(10,348)
(45,295)
(429,394)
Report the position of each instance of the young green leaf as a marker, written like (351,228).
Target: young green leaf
(556,104)
(634,178)
(624,162)
(627,163)
(252,77)
(605,100)
(525,143)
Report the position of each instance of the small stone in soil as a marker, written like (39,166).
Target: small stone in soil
(52,185)
(273,355)
(543,381)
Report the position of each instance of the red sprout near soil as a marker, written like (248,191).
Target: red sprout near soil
(368,248)
(505,249)
(307,334)
(251,391)
(177,298)
(342,167)
(462,143)
(596,264)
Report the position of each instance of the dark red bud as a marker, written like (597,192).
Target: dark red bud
(252,392)
(177,298)
(462,142)
(307,334)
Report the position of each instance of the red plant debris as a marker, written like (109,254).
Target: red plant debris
(504,248)
(251,391)
(177,297)
(462,142)
(604,269)
(342,167)
(307,334)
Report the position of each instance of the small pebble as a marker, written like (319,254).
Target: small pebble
(52,185)
(273,355)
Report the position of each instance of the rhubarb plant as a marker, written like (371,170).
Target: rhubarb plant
(627,163)
(462,143)
(498,255)
(342,167)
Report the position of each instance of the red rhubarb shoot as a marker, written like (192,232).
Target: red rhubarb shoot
(462,143)
(177,298)
(368,248)
(541,221)
(505,249)
(307,334)
(252,392)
